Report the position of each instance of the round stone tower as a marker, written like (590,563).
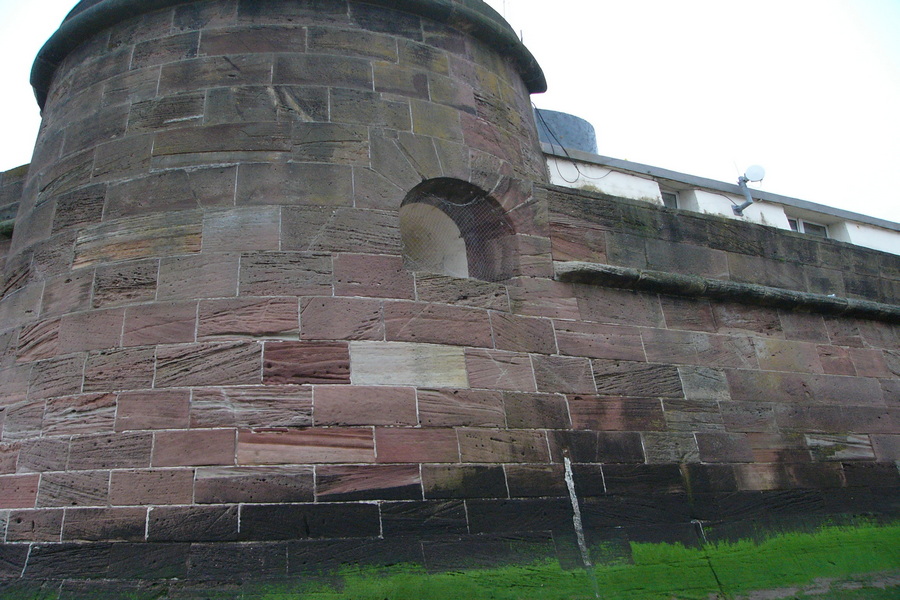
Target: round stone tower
(252,280)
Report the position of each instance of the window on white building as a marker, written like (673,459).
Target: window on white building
(807,227)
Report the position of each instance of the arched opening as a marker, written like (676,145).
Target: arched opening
(452,227)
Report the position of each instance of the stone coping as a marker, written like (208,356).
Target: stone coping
(92,16)
(696,286)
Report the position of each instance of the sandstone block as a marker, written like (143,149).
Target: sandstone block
(368,482)
(364,405)
(110,451)
(402,364)
(215,485)
(285,274)
(306,362)
(305,446)
(170,486)
(248,317)
(495,369)
(18,491)
(464,481)
(242,69)
(160,323)
(322,69)
(437,324)
(302,521)
(255,406)
(91,330)
(623,378)
(375,276)
(201,276)
(40,454)
(522,334)
(119,369)
(255,40)
(503,446)
(242,229)
(298,183)
(192,523)
(34,525)
(74,488)
(408,445)
(227,363)
(166,234)
(461,408)
(106,524)
(341,319)
(616,414)
(194,447)
(599,341)
(619,307)
(536,411)
(157,409)
(56,377)
(87,413)
(682,347)
(563,374)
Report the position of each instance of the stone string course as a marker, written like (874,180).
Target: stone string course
(214,363)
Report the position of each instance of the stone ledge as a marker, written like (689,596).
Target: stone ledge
(703,287)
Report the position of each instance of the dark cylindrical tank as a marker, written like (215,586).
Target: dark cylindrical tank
(565,130)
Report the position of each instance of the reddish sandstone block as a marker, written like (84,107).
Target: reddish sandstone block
(536,411)
(695,348)
(461,408)
(18,491)
(216,485)
(285,274)
(228,363)
(803,327)
(67,293)
(74,488)
(870,362)
(778,447)
(368,482)
(563,374)
(9,456)
(782,355)
(405,445)
(306,362)
(362,405)
(616,414)
(341,319)
(599,341)
(741,318)
(464,481)
(256,406)
(119,369)
(619,307)
(91,330)
(201,276)
(248,317)
(127,283)
(170,486)
(748,416)
(160,323)
(437,324)
(42,454)
(496,369)
(522,334)
(836,360)
(544,298)
(43,525)
(724,447)
(625,378)
(443,289)
(305,446)
(194,447)
(23,421)
(87,413)
(503,446)
(38,341)
(691,314)
(110,451)
(106,524)
(375,276)
(158,409)
(242,229)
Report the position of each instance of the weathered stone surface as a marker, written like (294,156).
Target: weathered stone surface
(156,409)
(374,276)
(81,488)
(170,486)
(364,405)
(408,445)
(368,482)
(431,287)
(464,481)
(365,107)
(302,521)
(621,378)
(670,447)
(599,341)
(56,377)
(690,314)
(194,447)
(166,234)
(88,413)
(38,341)
(400,364)
(110,451)
(318,229)
(618,307)
(91,330)
(693,415)
(201,276)
(233,363)
(341,319)
(503,446)
(119,369)
(242,229)
(192,523)
(298,183)
(107,524)
(321,69)
(163,113)
(840,447)
(255,40)
(695,348)
(18,491)
(41,454)
(248,317)
(306,362)
(285,274)
(522,334)
(305,446)
(495,369)
(616,414)
(460,408)
(352,43)
(256,406)
(34,526)
(781,355)
(563,374)
(217,485)
(160,323)
(436,324)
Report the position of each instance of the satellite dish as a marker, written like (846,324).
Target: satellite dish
(755,173)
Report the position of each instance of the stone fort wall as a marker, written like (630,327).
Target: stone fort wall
(217,363)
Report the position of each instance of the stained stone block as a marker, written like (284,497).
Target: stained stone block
(840,447)
(322,69)
(431,287)
(200,276)
(352,43)
(563,374)
(464,481)
(192,523)
(692,314)
(84,206)
(400,364)
(682,347)
(340,230)
(60,561)
(724,447)
(436,324)
(599,341)
(618,307)
(296,183)
(237,562)
(461,408)
(35,525)
(306,362)
(423,518)
(229,137)
(693,415)
(38,341)
(166,234)
(503,446)
(285,274)
(179,110)
(305,446)
(204,72)
(253,40)
(303,521)
(437,121)
(56,377)
(670,447)
(128,283)
(368,108)
(616,414)
(332,142)
(169,486)
(368,482)
(216,485)
(106,524)
(643,479)
(537,411)
(242,230)
(623,378)
(393,79)
(522,334)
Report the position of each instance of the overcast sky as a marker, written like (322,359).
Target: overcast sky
(810,89)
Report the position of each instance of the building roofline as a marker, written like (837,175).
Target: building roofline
(713,184)
(474,16)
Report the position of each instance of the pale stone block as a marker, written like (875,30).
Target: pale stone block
(400,363)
